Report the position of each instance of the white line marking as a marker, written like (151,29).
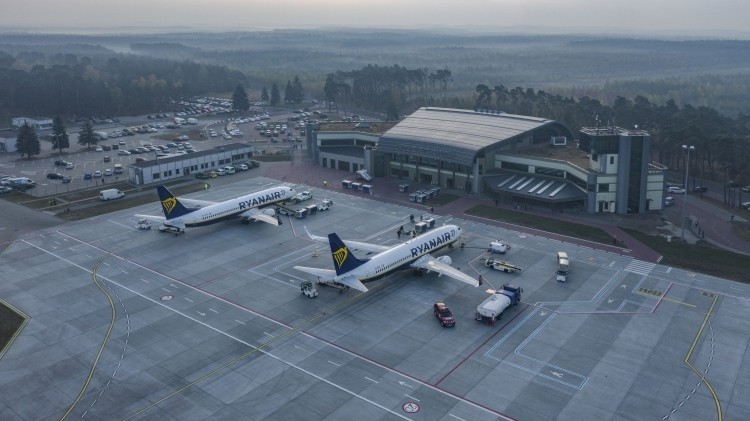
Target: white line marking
(188,299)
(412,397)
(124,272)
(242,323)
(458,418)
(370,379)
(145,281)
(210,309)
(164,289)
(337,365)
(237,339)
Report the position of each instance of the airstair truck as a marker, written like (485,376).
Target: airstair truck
(493,307)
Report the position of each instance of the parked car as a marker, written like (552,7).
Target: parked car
(97,173)
(99,149)
(675,190)
(700,189)
(60,163)
(123,152)
(54,176)
(122,142)
(668,201)
(5,189)
(108,171)
(139,159)
(69,166)
(107,158)
(87,176)
(201,176)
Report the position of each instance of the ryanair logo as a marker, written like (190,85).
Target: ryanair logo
(169,204)
(340,255)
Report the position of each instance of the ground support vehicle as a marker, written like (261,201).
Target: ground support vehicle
(326,204)
(444,314)
(143,224)
(302,196)
(308,289)
(501,266)
(498,247)
(171,229)
(493,307)
(563,265)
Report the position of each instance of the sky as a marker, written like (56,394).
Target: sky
(691,18)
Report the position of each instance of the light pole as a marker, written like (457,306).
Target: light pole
(684,202)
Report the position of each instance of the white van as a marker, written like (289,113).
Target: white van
(110,194)
(230,169)
(221,171)
(118,168)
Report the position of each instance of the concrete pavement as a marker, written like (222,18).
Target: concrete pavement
(714,223)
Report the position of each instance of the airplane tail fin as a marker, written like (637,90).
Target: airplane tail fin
(343,259)
(170,205)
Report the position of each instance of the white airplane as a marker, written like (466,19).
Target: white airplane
(177,217)
(415,253)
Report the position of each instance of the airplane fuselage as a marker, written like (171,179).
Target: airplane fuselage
(232,208)
(403,255)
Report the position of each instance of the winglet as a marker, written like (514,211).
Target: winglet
(343,260)
(315,237)
(170,204)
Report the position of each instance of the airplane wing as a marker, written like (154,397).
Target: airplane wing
(325,274)
(152,218)
(258,215)
(432,264)
(330,275)
(352,282)
(353,245)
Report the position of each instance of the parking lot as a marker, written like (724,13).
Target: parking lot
(90,161)
(212,325)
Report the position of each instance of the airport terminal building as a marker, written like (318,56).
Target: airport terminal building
(515,159)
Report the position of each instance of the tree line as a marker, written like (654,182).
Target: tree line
(36,84)
(103,84)
(722,144)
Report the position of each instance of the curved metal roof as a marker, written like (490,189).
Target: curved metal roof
(456,135)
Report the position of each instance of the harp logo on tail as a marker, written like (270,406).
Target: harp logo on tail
(169,204)
(339,256)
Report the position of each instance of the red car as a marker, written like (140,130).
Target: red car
(444,315)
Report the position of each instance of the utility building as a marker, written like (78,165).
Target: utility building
(161,169)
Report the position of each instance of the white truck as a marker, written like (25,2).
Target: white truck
(498,247)
(179,121)
(110,194)
(101,135)
(563,265)
(302,196)
(493,307)
(501,266)
(326,204)
(192,121)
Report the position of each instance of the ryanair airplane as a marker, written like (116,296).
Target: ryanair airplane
(413,254)
(177,217)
